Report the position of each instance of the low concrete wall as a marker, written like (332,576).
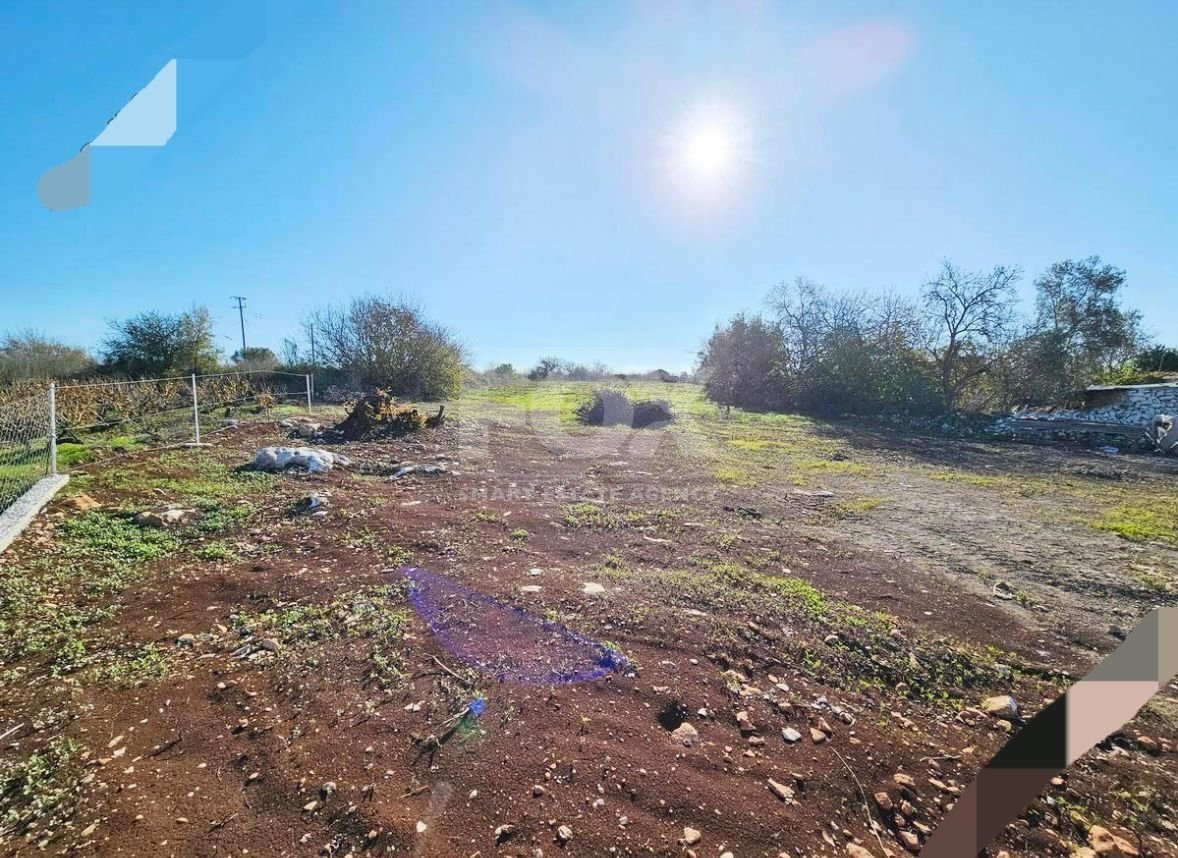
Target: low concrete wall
(17,517)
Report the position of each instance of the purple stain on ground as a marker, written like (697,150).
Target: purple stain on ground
(504,641)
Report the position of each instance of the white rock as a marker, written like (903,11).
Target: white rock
(313,459)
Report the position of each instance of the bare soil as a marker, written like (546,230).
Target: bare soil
(784,596)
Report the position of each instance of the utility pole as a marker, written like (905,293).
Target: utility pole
(241,315)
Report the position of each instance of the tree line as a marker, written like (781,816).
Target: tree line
(370,341)
(963,345)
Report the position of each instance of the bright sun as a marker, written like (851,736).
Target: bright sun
(707,152)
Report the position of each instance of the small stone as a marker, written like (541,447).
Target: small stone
(904,782)
(1149,745)
(592,588)
(269,644)
(818,736)
(538,791)
(854,850)
(1108,845)
(311,806)
(165,518)
(911,841)
(884,801)
(685,734)
(83,503)
(744,723)
(1001,706)
(564,834)
(504,832)
(781,791)
(691,836)
(422,827)
(186,640)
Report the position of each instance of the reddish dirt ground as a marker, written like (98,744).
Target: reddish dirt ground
(300,752)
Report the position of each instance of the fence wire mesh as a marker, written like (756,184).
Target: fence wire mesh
(95,418)
(24,445)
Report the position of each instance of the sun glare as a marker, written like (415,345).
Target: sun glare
(707,153)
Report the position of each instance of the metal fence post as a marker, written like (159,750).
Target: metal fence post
(53,429)
(195,411)
(307,378)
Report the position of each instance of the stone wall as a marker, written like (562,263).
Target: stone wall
(1133,406)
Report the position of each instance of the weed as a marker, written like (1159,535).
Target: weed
(217,516)
(397,555)
(519,535)
(40,788)
(366,615)
(146,662)
(589,515)
(215,551)
(115,540)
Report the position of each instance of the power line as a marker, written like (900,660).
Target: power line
(240,299)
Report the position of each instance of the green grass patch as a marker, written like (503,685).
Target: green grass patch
(40,789)
(1138,523)
(518,535)
(115,540)
(140,665)
(855,508)
(215,551)
(589,515)
(732,476)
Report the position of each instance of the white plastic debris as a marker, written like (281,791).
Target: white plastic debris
(313,459)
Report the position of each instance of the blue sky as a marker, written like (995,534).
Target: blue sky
(519,167)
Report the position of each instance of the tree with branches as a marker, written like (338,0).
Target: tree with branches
(969,319)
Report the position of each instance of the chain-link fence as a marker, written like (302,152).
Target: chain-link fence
(95,416)
(26,453)
(159,410)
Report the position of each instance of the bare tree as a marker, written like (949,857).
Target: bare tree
(969,318)
(390,343)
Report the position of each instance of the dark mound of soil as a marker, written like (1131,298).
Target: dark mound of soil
(610,408)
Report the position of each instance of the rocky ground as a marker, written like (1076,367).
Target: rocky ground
(820,632)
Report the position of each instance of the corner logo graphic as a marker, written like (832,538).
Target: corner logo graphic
(148,119)
(1096,706)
